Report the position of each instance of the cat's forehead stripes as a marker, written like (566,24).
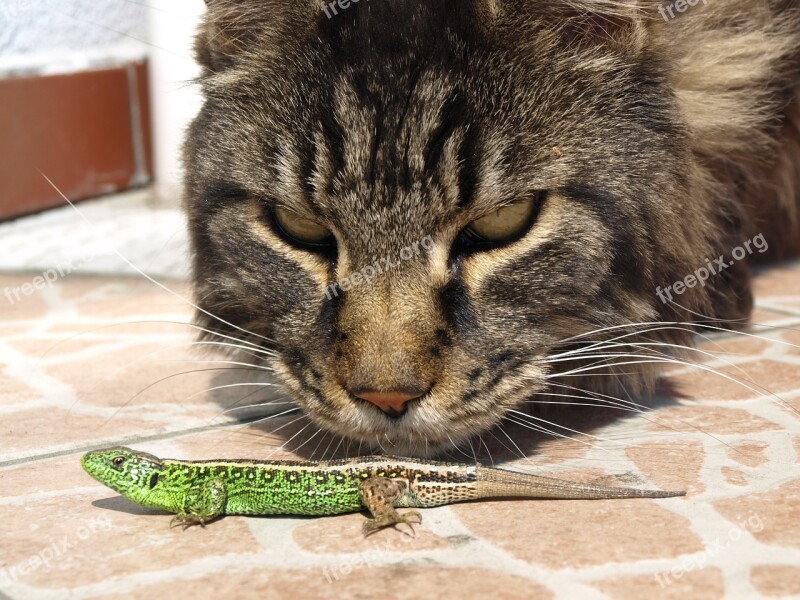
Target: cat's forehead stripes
(386,148)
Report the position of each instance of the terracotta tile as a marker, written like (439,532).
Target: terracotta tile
(779,287)
(50,475)
(609,531)
(772,517)
(776,580)
(37,348)
(124,297)
(709,419)
(41,431)
(98,528)
(671,466)
(14,393)
(400,581)
(734,477)
(792,337)
(149,374)
(21,297)
(121,326)
(12,329)
(339,535)
(554,451)
(749,380)
(734,348)
(763,320)
(749,453)
(245,441)
(705,584)
(606,536)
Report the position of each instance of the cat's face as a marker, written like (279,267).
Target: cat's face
(479,190)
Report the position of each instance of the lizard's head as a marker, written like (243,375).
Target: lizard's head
(133,474)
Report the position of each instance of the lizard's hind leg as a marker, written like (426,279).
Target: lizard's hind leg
(379,495)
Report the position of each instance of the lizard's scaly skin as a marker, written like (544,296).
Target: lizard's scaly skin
(198,491)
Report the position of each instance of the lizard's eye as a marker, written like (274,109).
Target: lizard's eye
(118,461)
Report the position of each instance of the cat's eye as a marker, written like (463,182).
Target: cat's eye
(506,224)
(301,231)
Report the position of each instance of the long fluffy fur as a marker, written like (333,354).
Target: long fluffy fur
(661,144)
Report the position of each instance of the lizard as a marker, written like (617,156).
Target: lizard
(197,492)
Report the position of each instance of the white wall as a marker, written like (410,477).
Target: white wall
(67,35)
(57,36)
(175,99)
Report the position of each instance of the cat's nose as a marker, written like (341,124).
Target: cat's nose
(394,404)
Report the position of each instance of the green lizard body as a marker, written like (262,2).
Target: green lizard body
(199,491)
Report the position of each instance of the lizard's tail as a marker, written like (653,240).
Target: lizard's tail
(496,483)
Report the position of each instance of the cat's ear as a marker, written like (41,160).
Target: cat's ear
(621,25)
(233,27)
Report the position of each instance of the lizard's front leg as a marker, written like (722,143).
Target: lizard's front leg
(379,495)
(203,505)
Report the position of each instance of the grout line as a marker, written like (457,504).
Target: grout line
(140,175)
(128,440)
(787,312)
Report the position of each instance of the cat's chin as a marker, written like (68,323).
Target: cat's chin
(438,424)
(423,432)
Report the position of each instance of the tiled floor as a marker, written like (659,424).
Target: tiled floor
(85,239)
(91,361)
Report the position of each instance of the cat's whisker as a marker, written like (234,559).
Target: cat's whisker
(166,378)
(656,422)
(541,420)
(245,397)
(682,326)
(686,361)
(114,374)
(360,442)
(319,443)
(183,345)
(328,447)
(455,447)
(251,406)
(228,386)
(647,346)
(499,427)
(307,440)
(590,345)
(261,421)
(542,429)
(591,404)
(472,449)
(302,416)
(598,394)
(604,362)
(149,278)
(758,389)
(341,440)
(347,448)
(648,353)
(223,362)
(287,442)
(227,411)
(254,352)
(378,441)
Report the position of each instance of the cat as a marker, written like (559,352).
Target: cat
(427,212)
